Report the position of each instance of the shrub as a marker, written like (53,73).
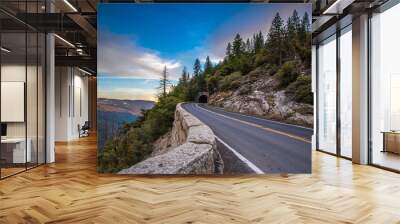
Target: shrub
(287,74)
(300,90)
(260,59)
(212,82)
(225,70)
(231,81)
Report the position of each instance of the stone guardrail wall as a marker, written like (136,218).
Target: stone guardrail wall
(193,150)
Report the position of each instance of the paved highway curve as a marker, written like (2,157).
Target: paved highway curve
(265,146)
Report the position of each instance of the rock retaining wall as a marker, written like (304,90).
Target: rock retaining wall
(192,149)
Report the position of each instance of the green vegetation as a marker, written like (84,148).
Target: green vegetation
(230,82)
(133,142)
(284,53)
(300,89)
(287,74)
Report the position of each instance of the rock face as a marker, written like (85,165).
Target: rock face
(257,96)
(189,148)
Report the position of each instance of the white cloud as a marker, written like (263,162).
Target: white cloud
(118,56)
(201,53)
(213,58)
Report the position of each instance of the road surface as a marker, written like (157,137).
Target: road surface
(265,146)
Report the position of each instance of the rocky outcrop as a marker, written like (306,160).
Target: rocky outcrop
(189,148)
(257,95)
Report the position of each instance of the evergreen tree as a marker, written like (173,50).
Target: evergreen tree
(237,45)
(275,40)
(296,20)
(248,46)
(304,28)
(184,78)
(196,67)
(258,41)
(304,41)
(208,66)
(305,23)
(291,26)
(228,50)
(164,82)
(291,35)
(191,89)
(201,83)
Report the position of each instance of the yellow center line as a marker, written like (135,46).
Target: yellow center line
(261,127)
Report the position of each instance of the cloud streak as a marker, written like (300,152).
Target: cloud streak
(119,56)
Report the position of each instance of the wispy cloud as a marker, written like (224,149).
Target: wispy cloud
(119,56)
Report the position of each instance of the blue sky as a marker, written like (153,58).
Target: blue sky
(135,41)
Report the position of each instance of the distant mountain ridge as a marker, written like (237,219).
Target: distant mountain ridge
(113,113)
(133,107)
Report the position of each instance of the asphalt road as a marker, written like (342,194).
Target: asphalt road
(265,146)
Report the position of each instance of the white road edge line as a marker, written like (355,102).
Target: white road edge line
(262,119)
(246,161)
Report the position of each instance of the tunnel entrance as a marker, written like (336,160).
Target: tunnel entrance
(203,99)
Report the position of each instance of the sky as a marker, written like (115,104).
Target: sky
(136,41)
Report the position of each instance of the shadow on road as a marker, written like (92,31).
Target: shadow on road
(232,165)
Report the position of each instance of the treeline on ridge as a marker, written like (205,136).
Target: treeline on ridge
(285,51)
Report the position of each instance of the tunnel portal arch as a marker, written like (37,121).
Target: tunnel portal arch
(202,97)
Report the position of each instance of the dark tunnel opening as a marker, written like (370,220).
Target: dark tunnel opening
(203,99)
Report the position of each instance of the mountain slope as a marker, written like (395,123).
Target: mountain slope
(258,93)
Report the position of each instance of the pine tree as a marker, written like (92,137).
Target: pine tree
(303,40)
(201,83)
(164,82)
(237,45)
(275,40)
(248,46)
(229,51)
(296,20)
(184,78)
(291,27)
(253,42)
(258,40)
(305,23)
(304,28)
(208,66)
(199,76)
(196,67)
(291,35)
